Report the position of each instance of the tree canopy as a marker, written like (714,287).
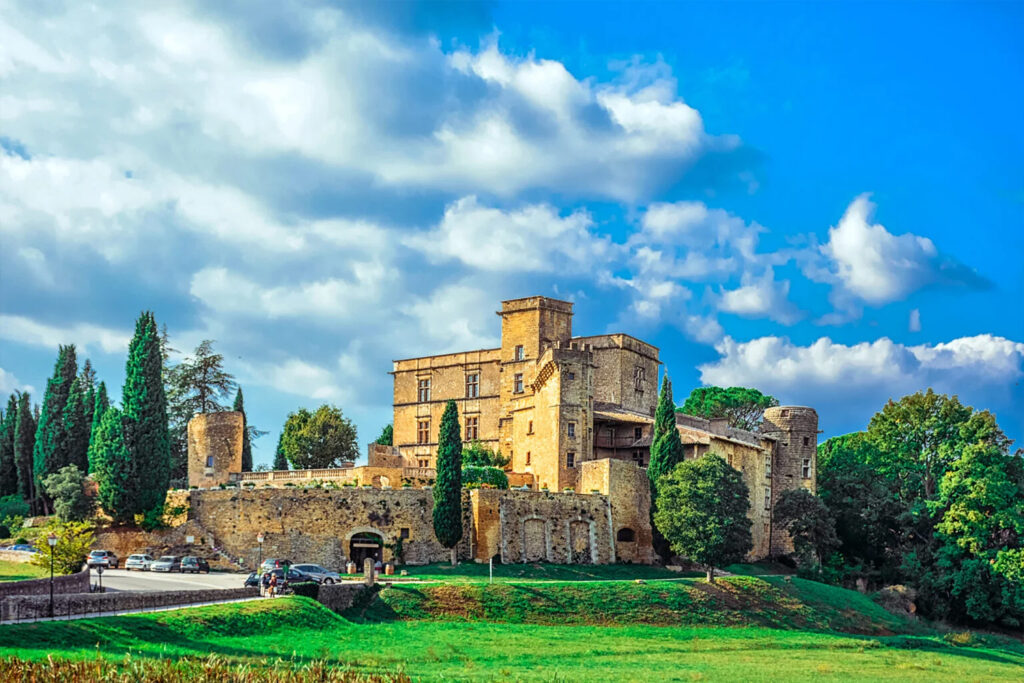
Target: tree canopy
(743,407)
(475,454)
(702,512)
(809,523)
(386,436)
(666,453)
(448,487)
(66,488)
(319,439)
(8,468)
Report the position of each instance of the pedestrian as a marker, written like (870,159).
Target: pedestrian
(273,585)
(264,583)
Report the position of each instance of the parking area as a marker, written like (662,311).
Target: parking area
(123,580)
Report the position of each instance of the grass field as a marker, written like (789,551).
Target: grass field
(471,572)
(300,631)
(19,571)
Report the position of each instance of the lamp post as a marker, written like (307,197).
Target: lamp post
(99,572)
(259,539)
(52,541)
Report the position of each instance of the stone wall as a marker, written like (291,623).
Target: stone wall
(214,447)
(70,583)
(34,607)
(629,495)
(339,597)
(21,556)
(796,431)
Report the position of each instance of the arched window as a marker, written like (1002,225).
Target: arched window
(626,534)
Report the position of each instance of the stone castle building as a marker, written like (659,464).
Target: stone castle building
(574,416)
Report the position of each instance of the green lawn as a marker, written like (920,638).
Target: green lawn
(471,572)
(18,571)
(298,630)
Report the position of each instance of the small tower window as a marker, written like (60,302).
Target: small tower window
(768,466)
(517,383)
(807,441)
(570,429)
(519,353)
(570,459)
(209,461)
(527,457)
(529,427)
(767,498)
(638,433)
(806,469)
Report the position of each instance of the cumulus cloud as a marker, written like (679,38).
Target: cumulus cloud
(9,384)
(859,378)
(86,336)
(762,297)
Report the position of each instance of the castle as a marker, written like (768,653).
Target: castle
(572,414)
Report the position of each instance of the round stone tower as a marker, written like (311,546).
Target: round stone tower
(795,464)
(214,447)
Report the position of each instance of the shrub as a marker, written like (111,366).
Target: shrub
(484,477)
(307,589)
(66,488)
(73,542)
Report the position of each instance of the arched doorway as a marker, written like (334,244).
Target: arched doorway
(363,545)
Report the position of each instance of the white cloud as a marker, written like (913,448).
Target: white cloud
(454,317)
(298,377)
(914,322)
(9,384)
(762,297)
(24,330)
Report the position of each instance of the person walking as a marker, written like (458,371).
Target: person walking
(273,585)
(264,583)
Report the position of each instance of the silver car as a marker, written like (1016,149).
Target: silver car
(319,573)
(142,562)
(167,563)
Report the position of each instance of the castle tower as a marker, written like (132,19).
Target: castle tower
(214,447)
(795,460)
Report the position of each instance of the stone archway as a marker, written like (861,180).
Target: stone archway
(363,542)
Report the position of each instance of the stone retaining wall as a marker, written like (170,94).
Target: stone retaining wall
(71,583)
(339,597)
(24,607)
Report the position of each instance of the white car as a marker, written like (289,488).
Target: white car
(319,573)
(141,562)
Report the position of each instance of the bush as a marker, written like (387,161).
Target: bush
(484,477)
(307,589)
(66,487)
(73,542)
(13,511)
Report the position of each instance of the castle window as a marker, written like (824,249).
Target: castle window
(638,433)
(768,466)
(807,441)
(423,463)
(785,413)
(519,353)
(728,457)
(209,461)
(639,375)
(626,535)
(529,427)
(767,498)
(570,375)
(423,390)
(527,457)
(517,383)
(404,533)
(638,458)
(472,428)
(472,385)
(570,459)
(423,431)
(570,429)
(806,469)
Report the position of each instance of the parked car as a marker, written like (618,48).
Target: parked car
(252,580)
(167,563)
(194,564)
(102,558)
(139,561)
(319,573)
(24,547)
(270,563)
(294,576)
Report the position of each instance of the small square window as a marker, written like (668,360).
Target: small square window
(209,461)
(517,383)
(570,429)
(807,441)
(638,458)
(520,354)
(570,459)
(404,532)
(570,375)
(806,469)
(638,433)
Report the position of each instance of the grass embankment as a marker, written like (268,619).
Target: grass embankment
(771,602)
(19,571)
(299,631)
(471,572)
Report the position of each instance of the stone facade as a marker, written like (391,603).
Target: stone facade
(214,447)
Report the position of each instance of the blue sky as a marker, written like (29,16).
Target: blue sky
(822,200)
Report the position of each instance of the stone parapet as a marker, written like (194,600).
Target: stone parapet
(21,608)
(70,583)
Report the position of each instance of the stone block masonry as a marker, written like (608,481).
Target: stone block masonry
(27,607)
(71,583)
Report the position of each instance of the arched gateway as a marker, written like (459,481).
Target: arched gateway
(365,542)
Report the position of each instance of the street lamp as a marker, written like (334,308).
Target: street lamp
(99,571)
(259,539)
(52,541)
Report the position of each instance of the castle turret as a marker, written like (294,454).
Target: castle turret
(795,429)
(214,447)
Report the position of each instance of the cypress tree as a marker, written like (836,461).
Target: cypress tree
(87,379)
(280,459)
(76,429)
(8,470)
(100,406)
(114,468)
(246,443)
(24,446)
(448,487)
(50,452)
(146,436)
(666,453)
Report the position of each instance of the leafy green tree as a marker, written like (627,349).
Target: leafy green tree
(448,487)
(386,437)
(146,434)
(666,453)
(13,511)
(76,429)
(320,439)
(8,469)
(66,488)
(702,512)
(51,442)
(74,539)
(476,476)
(743,407)
(100,406)
(475,454)
(114,468)
(280,459)
(809,523)
(25,428)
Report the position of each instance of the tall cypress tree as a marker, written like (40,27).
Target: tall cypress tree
(24,446)
(8,470)
(76,430)
(246,442)
(114,469)
(99,408)
(666,453)
(448,487)
(87,380)
(145,415)
(280,459)
(50,452)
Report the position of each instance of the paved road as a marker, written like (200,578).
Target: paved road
(124,580)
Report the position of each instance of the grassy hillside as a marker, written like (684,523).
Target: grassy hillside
(293,633)
(19,571)
(471,572)
(768,601)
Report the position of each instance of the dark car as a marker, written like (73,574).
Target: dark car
(294,576)
(252,580)
(194,565)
